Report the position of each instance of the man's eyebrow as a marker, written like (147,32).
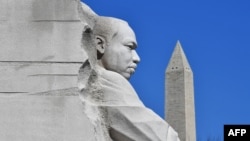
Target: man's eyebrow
(134,45)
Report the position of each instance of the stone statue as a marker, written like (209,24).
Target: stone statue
(39,98)
(109,100)
(117,40)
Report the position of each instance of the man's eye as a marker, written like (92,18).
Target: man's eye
(130,46)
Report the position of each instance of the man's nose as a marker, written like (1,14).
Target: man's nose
(136,58)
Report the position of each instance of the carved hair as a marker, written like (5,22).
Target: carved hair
(107,27)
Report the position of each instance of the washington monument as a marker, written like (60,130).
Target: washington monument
(179,107)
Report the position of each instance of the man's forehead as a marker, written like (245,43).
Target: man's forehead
(126,33)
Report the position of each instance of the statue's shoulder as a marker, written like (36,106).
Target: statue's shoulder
(106,87)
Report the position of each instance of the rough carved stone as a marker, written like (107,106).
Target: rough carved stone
(108,108)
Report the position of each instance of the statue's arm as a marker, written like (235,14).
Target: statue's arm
(138,124)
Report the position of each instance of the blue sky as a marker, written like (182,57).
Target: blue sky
(215,35)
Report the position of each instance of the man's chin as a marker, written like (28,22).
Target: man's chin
(126,75)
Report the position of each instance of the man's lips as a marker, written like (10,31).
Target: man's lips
(132,68)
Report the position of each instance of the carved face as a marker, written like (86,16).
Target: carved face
(120,54)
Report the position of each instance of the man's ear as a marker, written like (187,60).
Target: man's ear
(100,44)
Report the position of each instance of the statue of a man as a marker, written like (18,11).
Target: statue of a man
(116,44)
(124,117)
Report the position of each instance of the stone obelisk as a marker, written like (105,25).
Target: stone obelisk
(179,107)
